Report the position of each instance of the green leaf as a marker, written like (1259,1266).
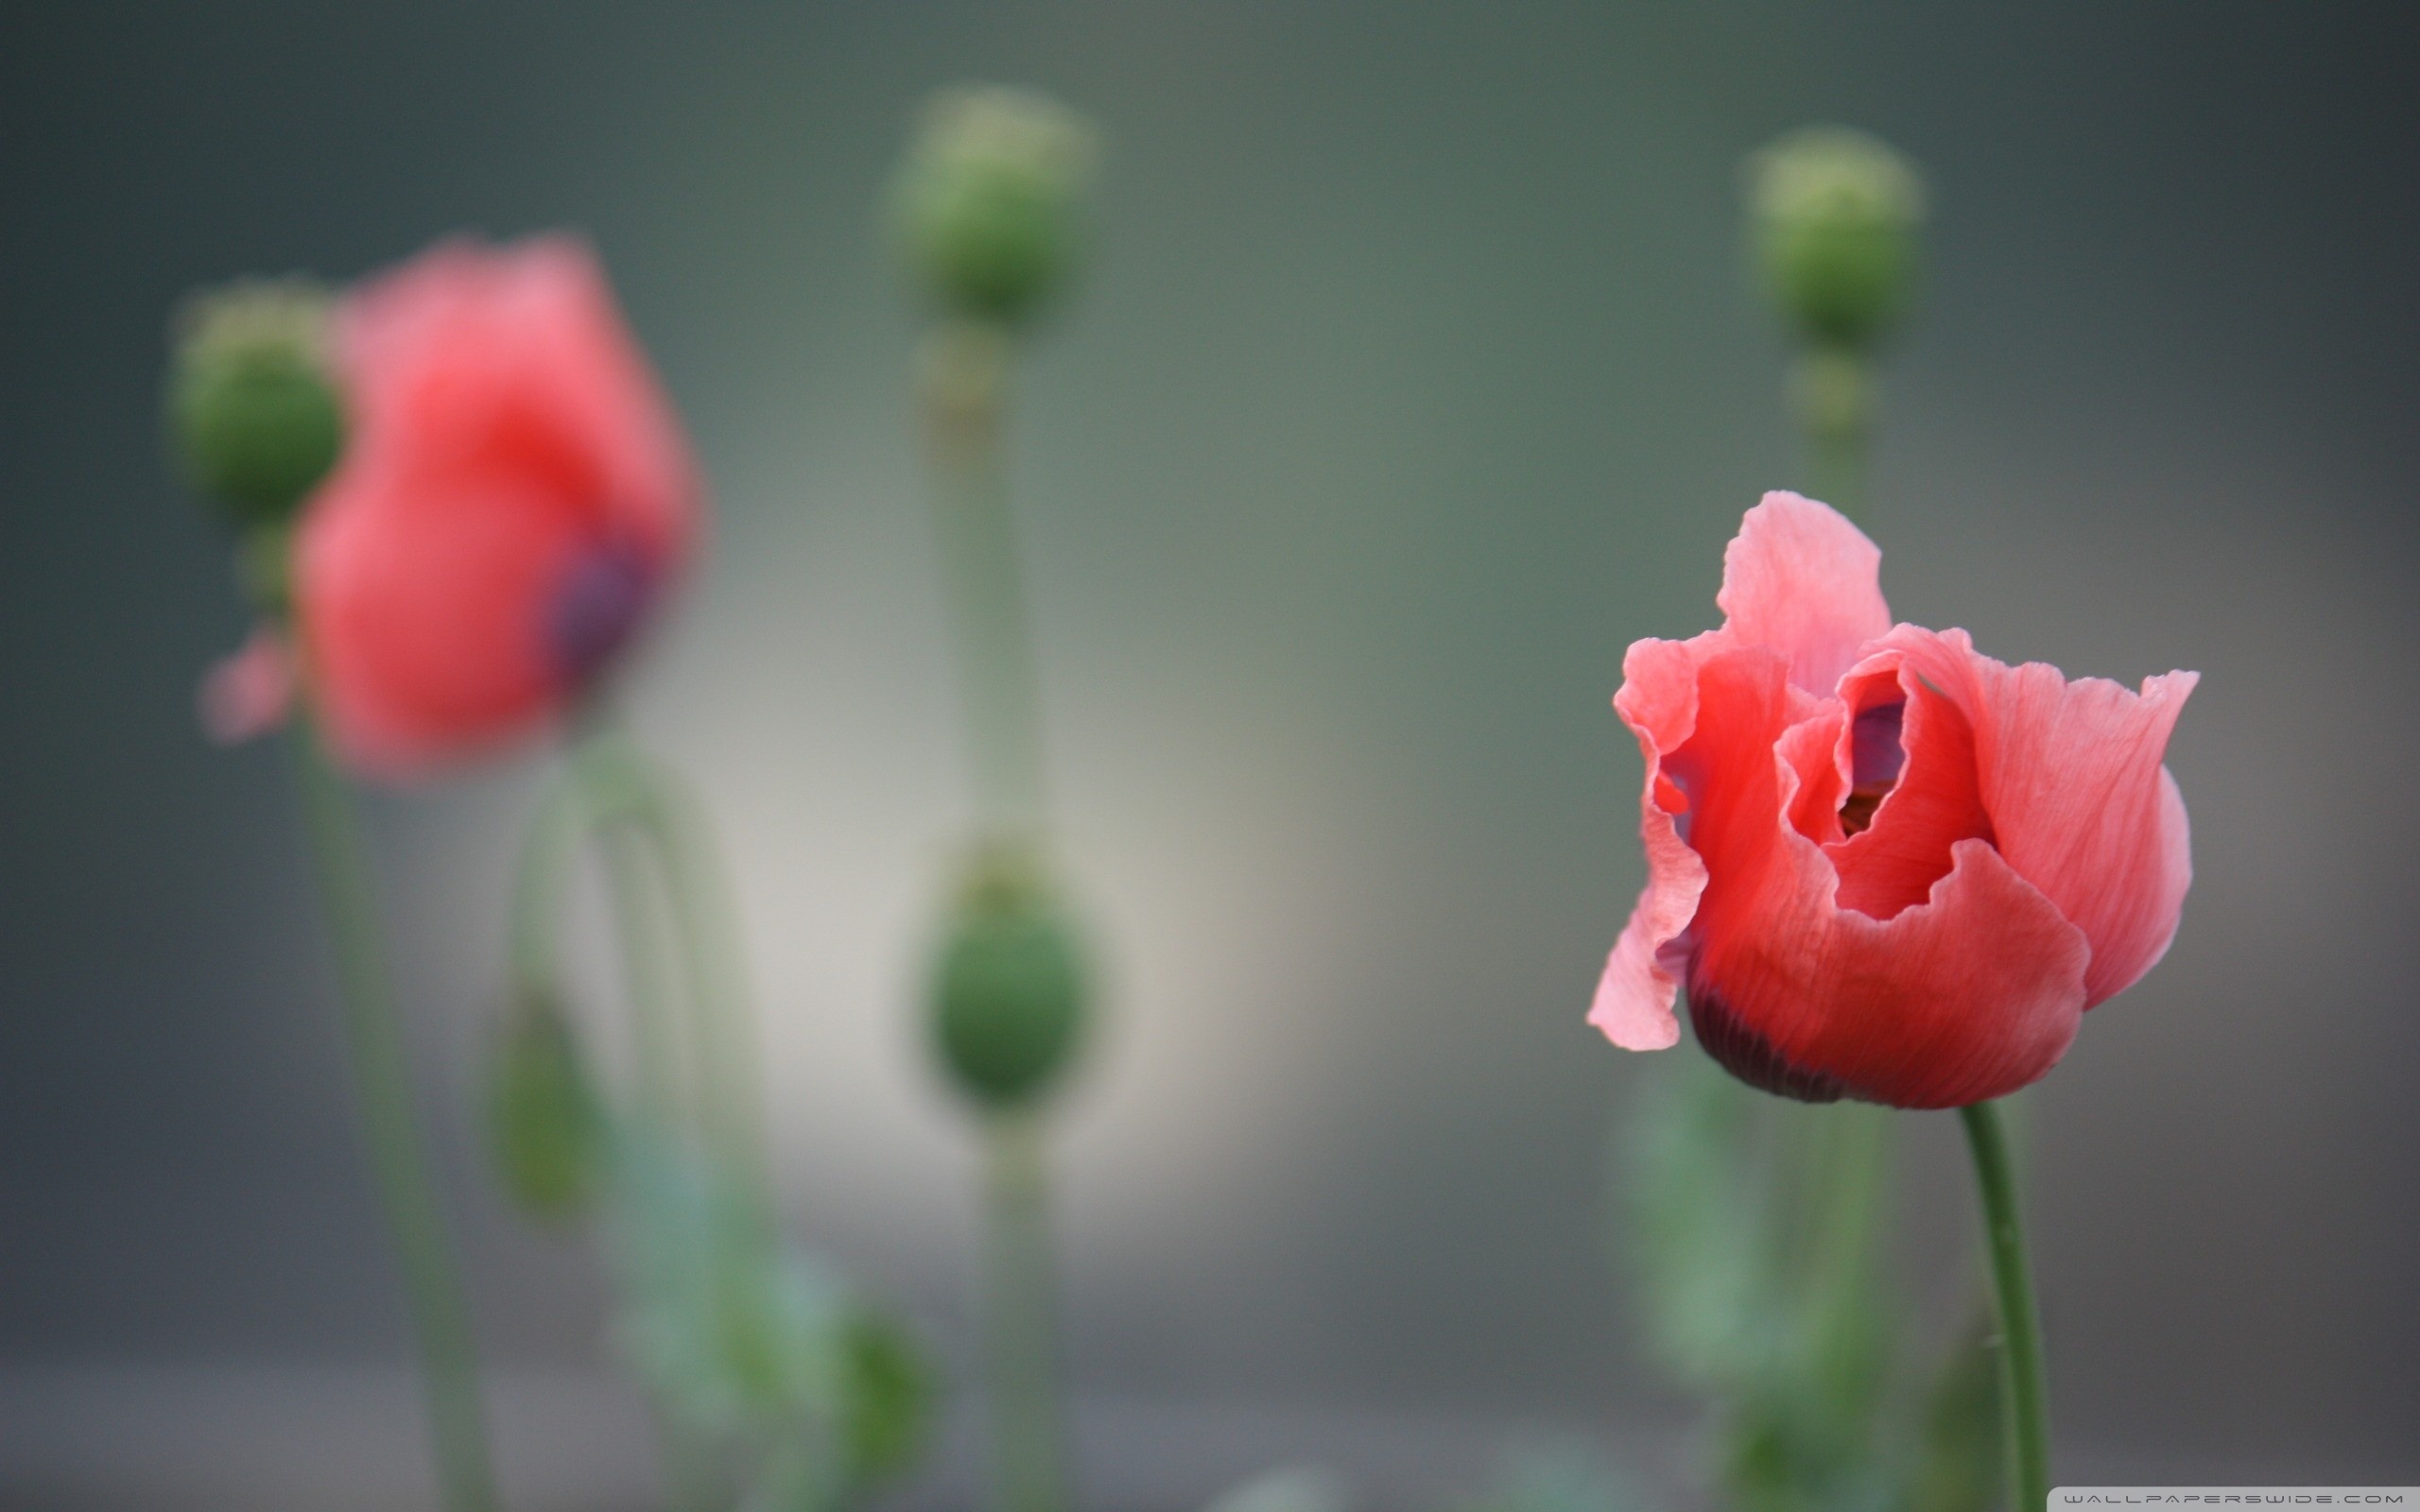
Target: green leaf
(1958,1466)
(1555,1479)
(1699,1231)
(728,1329)
(545,1121)
(1756,1225)
(887,1397)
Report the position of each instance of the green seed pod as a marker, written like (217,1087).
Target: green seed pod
(1835,216)
(988,206)
(887,1414)
(545,1121)
(1009,997)
(253,415)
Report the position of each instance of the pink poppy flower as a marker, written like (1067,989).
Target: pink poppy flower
(1885,865)
(515,498)
(247,694)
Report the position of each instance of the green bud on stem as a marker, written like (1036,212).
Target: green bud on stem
(1835,214)
(988,206)
(254,418)
(1009,994)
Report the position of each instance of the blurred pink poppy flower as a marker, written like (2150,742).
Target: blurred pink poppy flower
(247,692)
(515,498)
(1884,865)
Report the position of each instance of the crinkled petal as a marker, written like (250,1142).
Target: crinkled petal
(2081,806)
(425,618)
(248,693)
(1658,700)
(514,497)
(1814,749)
(1971,994)
(467,355)
(1802,580)
(1936,802)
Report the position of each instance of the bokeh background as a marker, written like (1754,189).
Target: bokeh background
(1416,375)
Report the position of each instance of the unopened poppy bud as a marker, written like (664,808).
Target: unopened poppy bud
(546,1123)
(1010,995)
(988,207)
(1835,214)
(253,414)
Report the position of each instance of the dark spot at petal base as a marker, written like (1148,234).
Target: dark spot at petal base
(1749,1056)
(596,606)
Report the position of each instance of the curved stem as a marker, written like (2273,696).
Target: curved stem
(650,833)
(707,934)
(1029,1434)
(542,882)
(645,967)
(373,1029)
(2024,1392)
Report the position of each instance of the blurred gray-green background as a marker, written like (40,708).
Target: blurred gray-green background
(1416,375)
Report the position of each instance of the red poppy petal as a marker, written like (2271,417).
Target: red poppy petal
(2080,803)
(1936,802)
(470,356)
(426,614)
(1635,996)
(1970,994)
(1800,579)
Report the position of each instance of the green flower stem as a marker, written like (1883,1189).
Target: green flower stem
(2023,1391)
(650,832)
(965,392)
(1833,391)
(1847,1189)
(543,882)
(1029,1428)
(705,929)
(638,929)
(965,397)
(373,1027)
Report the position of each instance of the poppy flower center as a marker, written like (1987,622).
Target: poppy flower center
(1875,757)
(598,603)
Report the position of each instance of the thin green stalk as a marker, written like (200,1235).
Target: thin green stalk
(1833,391)
(544,881)
(599,797)
(966,394)
(645,969)
(1847,1189)
(705,929)
(648,830)
(373,1027)
(2023,1390)
(1028,1431)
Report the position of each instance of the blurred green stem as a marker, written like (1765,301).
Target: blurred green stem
(1832,389)
(382,1088)
(647,974)
(1028,1429)
(705,929)
(654,848)
(1845,1194)
(2024,1393)
(966,382)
